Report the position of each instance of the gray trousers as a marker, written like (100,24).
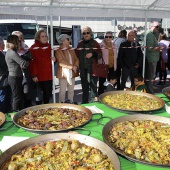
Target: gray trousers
(150,71)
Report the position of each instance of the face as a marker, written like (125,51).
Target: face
(131,36)
(155,26)
(2,45)
(113,81)
(136,81)
(66,43)
(86,35)
(108,38)
(43,38)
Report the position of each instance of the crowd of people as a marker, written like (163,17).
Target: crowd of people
(23,69)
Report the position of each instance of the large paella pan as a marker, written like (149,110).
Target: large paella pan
(131,101)
(139,138)
(63,151)
(50,118)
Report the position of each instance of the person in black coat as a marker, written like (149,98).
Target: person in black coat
(130,59)
(5,90)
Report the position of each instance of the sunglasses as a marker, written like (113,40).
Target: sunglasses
(84,33)
(68,39)
(108,36)
(156,26)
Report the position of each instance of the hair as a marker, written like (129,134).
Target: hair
(17,33)
(62,38)
(1,40)
(138,77)
(12,42)
(112,77)
(87,28)
(162,37)
(108,32)
(122,34)
(152,24)
(38,33)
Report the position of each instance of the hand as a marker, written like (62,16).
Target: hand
(53,59)
(89,55)
(136,65)
(75,69)
(35,79)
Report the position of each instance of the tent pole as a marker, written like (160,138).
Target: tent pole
(144,55)
(52,54)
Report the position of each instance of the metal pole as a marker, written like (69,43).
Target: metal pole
(144,55)
(52,54)
(47,25)
(59,25)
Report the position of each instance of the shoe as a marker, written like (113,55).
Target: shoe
(159,84)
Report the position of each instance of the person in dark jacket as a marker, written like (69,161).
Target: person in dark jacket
(110,84)
(5,90)
(129,59)
(86,58)
(15,63)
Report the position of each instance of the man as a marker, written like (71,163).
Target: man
(152,55)
(5,91)
(129,59)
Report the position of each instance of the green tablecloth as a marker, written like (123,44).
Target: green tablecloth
(96,132)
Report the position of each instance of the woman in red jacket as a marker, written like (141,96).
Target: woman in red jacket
(40,66)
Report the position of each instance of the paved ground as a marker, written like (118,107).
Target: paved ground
(78,89)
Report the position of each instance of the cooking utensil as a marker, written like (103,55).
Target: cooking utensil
(52,105)
(133,93)
(166,89)
(107,128)
(58,136)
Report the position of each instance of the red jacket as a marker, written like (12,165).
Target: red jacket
(41,66)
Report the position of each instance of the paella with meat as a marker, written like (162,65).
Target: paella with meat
(52,119)
(133,102)
(59,155)
(144,140)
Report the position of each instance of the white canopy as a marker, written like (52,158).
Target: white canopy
(88,8)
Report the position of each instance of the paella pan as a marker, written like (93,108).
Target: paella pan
(144,139)
(131,101)
(166,92)
(2,118)
(90,153)
(50,118)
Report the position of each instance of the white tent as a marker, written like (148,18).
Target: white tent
(105,8)
(87,8)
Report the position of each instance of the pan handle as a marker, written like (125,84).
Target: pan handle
(1,129)
(83,129)
(98,121)
(96,118)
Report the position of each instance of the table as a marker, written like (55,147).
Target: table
(96,132)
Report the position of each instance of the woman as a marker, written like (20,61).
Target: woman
(109,56)
(40,66)
(15,63)
(86,57)
(27,81)
(67,69)
(163,62)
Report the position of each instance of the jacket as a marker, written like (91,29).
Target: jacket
(129,57)
(151,54)
(3,65)
(40,65)
(109,86)
(105,54)
(141,87)
(15,63)
(62,57)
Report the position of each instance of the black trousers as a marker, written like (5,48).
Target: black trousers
(46,87)
(88,82)
(17,92)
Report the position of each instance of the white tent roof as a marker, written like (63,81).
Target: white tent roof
(88,8)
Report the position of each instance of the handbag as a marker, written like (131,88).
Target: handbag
(3,81)
(38,95)
(100,70)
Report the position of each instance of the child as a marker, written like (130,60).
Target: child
(112,79)
(139,84)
